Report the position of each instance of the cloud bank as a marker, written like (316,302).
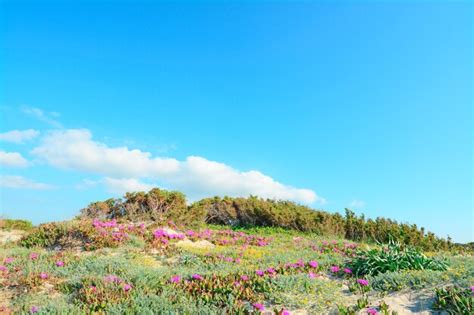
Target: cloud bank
(123,185)
(39,114)
(20,182)
(19,136)
(123,169)
(12,159)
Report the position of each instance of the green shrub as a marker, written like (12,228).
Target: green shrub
(455,300)
(394,257)
(52,234)
(163,206)
(11,224)
(254,211)
(157,205)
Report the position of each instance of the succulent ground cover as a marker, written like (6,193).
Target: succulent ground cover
(122,267)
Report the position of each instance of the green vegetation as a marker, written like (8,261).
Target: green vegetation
(142,255)
(10,224)
(455,300)
(163,206)
(393,257)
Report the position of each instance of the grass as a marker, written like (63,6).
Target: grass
(147,265)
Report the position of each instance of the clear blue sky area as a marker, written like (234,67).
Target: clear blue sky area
(360,104)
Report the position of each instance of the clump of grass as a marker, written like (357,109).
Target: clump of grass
(394,257)
(455,300)
(11,224)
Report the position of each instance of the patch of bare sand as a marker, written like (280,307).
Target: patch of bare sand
(414,302)
(11,236)
(5,298)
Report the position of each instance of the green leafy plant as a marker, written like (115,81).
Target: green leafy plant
(455,300)
(394,257)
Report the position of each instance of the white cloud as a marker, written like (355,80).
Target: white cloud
(19,136)
(87,183)
(12,159)
(75,149)
(48,118)
(20,182)
(200,177)
(196,176)
(357,204)
(123,185)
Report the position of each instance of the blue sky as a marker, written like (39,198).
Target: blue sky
(339,104)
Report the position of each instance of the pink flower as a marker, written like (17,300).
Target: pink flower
(313,264)
(197,277)
(175,279)
(127,287)
(363,282)
(271,270)
(259,306)
(3,268)
(335,269)
(372,311)
(285,312)
(9,260)
(60,263)
(34,256)
(259,273)
(347,270)
(244,278)
(34,309)
(93,288)
(160,233)
(312,275)
(43,275)
(112,278)
(472,287)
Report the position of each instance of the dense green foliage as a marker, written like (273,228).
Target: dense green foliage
(157,205)
(255,211)
(393,257)
(10,224)
(161,205)
(455,300)
(56,234)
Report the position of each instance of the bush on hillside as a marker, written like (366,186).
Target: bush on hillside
(64,234)
(157,205)
(394,257)
(254,211)
(162,206)
(11,224)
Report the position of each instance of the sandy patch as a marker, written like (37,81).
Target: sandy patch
(202,244)
(11,236)
(416,302)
